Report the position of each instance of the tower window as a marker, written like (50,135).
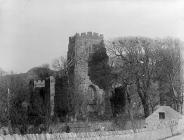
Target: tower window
(161,115)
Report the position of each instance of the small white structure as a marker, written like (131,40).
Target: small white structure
(164,115)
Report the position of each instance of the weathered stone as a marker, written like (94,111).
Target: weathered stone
(79,49)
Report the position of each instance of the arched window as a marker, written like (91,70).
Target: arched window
(91,94)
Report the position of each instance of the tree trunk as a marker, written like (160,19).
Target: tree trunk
(130,111)
(144,98)
(107,110)
(146,107)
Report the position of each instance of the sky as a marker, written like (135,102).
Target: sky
(34,32)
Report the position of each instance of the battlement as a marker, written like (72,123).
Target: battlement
(39,83)
(88,35)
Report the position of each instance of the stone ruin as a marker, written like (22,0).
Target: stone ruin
(80,47)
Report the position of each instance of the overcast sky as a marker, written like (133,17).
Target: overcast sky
(34,32)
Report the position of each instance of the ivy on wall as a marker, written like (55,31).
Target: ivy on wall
(99,71)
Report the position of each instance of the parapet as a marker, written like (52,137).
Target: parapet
(88,35)
(39,83)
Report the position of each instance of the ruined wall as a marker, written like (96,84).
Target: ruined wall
(39,109)
(79,49)
(61,100)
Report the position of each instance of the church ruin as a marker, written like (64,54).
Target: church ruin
(88,96)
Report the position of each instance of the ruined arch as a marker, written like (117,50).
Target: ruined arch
(92,94)
(92,98)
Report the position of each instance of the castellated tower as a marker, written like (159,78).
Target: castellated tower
(88,96)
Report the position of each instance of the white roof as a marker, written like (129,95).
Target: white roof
(171,113)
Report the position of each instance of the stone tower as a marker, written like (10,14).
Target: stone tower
(89,97)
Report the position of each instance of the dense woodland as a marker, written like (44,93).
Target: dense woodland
(141,73)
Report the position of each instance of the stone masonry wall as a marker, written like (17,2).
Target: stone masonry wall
(79,49)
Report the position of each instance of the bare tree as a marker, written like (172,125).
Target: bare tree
(143,61)
(59,64)
(136,64)
(169,68)
(45,66)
